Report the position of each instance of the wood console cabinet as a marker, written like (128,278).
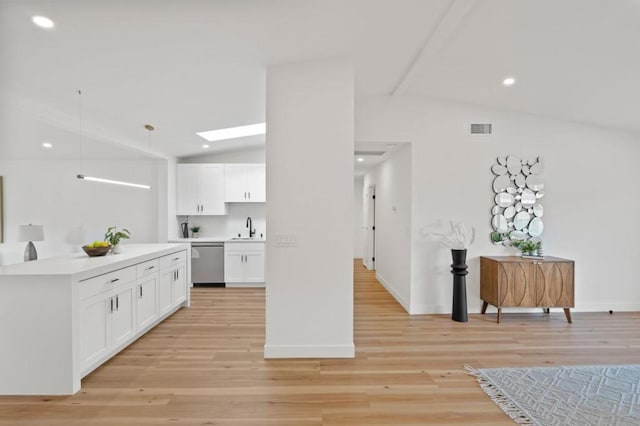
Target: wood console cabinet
(513,281)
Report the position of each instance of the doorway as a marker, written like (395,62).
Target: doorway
(369,260)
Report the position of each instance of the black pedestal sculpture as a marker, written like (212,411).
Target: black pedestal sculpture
(459,271)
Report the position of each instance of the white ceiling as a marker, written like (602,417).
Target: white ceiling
(188,66)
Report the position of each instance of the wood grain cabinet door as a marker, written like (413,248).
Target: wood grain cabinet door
(517,284)
(554,284)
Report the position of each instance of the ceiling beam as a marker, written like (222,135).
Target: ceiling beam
(446,26)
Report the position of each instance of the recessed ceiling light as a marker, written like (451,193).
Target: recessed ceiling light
(509,81)
(205,145)
(47,145)
(234,132)
(43,22)
(360,159)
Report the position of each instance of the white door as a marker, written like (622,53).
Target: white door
(187,177)
(212,189)
(95,321)
(254,267)
(123,324)
(147,300)
(235,183)
(164,290)
(256,183)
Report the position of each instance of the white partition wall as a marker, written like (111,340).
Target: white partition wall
(309,157)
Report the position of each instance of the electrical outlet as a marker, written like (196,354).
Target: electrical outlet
(286,241)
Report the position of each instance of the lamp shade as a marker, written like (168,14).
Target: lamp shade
(30,233)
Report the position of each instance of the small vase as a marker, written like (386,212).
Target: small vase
(116,249)
(194,235)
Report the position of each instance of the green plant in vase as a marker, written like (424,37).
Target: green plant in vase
(194,231)
(527,247)
(113,237)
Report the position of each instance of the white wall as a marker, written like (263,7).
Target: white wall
(74,212)
(309,289)
(392,179)
(244,155)
(358,231)
(231,224)
(172,229)
(591,177)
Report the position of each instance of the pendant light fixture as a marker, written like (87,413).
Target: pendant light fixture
(82,176)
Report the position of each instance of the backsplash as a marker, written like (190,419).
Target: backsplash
(232,224)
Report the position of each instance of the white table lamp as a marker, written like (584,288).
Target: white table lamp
(30,233)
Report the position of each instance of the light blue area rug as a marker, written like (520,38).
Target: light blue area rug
(606,395)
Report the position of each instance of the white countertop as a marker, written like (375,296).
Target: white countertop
(81,266)
(217,240)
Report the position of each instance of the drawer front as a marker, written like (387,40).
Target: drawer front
(173,259)
(95,285)
(243,247)
(147,268)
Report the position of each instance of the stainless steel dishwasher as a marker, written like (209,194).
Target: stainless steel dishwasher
(207,263)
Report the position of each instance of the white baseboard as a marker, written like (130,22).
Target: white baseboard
(304,351)
(244,285)
(590,307)
(606,307)
(421,309)
(401,300)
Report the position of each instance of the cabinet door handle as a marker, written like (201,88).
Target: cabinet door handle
(245,195)
(178,274)
(140,291)
(111,305)
(117,307)
(176,258)
(249,194)
(149,268)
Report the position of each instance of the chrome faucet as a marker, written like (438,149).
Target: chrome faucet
(252,230)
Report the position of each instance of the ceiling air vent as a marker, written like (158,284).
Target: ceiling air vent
(361,153)
(480,128)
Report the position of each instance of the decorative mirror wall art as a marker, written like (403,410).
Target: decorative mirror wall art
(519,188)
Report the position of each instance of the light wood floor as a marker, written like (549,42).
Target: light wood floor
(204,366)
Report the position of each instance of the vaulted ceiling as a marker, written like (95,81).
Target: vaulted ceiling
(194,65)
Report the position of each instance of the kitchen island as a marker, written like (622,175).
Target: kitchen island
(63,317)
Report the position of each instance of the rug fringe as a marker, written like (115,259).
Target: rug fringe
(496,395)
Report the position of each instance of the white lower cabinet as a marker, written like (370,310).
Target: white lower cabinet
(164,290)
(173,282)
(179,286)
(107,321)
(147,300)
(116,308)
(244,263)
(95,324)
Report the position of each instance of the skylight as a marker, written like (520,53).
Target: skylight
(234,132)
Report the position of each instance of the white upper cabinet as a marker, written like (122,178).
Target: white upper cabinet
(245,183)
(200,189)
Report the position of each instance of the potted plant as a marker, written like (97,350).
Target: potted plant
(194,231)
(527,247)
(113,237)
